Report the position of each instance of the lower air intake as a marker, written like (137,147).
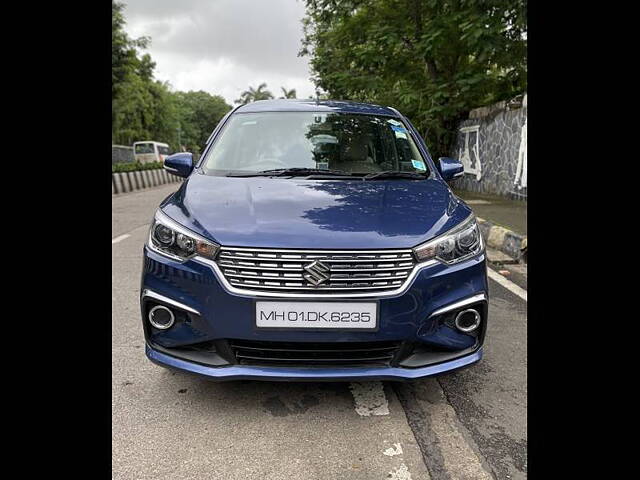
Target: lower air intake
(248,352)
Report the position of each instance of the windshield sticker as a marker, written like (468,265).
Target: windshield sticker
(400,132)
(394,122)
(419,165)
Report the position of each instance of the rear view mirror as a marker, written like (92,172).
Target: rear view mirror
(180,164)
(450,168)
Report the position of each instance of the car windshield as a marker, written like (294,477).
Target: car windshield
(354,144)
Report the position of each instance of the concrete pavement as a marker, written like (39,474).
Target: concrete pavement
(511,214)
(470,424)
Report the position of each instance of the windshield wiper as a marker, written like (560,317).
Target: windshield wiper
(293,172)
(395,174)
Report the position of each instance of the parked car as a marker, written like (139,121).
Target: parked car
(314,240)
(149,151)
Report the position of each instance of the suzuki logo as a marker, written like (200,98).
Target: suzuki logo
(317,273)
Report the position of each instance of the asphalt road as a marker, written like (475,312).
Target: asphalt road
(466,425)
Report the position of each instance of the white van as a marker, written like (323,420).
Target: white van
(149,151)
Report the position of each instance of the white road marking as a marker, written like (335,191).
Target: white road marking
(477,202)
(120,238)
(401,473)
(508,284)
(395,450)
(369,398)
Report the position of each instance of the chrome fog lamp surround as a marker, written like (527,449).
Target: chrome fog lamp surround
(467,320)
(154,316)
(146,293)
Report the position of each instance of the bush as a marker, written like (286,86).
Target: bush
(134,166)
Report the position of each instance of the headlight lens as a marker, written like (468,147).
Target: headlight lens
(164,235)
(173,240)
(459,243)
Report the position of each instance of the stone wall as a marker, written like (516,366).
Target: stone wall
(492,145)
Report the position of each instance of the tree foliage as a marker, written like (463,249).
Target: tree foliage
(288,93)
(199,113)
(432,59)
(124,52)
(143,108)
(254,94)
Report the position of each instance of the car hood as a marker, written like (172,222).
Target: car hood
(299,213)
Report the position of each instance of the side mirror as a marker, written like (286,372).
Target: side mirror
(180,164)
(450,168)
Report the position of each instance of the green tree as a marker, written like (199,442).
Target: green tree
(288,93)
(254,94)
(124,51)
(131,116)
(199,113)
(144,111)
(140,107)
(432,59)
(143,108)
(165,118)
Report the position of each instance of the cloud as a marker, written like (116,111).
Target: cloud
(223,46)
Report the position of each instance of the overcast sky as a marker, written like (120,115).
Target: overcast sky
(223,46)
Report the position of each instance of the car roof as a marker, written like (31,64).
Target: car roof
(310,105)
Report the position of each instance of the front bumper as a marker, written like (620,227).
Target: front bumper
(301,374)
(214,314)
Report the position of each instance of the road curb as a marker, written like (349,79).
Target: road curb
(503,239)
(125,182)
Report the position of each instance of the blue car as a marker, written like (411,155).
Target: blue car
(314,240)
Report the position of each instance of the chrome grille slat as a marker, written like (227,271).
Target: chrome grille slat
(280,269)
(297,260)
(327,256)
(262,270)
(299,285)
(272,278)
(316,252)
(331,288)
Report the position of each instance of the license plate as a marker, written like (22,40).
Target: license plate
(319,315)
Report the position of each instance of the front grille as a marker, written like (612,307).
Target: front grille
(361,271)
(249,352)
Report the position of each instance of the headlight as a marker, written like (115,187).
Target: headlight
(173,240)
(459,243)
